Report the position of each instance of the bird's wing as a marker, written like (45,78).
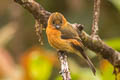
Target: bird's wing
(68,32)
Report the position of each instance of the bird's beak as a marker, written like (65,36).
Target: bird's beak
(57,26)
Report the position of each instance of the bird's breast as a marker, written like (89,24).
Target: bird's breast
(54,39)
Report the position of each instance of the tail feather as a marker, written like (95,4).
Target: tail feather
(81,50)
(92,67)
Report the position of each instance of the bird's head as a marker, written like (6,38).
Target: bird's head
(56,20)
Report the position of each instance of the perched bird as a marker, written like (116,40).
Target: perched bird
(62,36)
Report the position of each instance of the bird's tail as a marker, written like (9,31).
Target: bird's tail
(90,64)
(92,67)
(82,53)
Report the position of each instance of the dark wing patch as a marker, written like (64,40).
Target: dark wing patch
(80,49)
(68,32)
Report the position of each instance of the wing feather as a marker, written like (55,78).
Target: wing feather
(68,32)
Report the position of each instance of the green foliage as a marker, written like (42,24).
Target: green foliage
(40,68)
(114,43)
(107,72)
(116,3)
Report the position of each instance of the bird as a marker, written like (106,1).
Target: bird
(63,36)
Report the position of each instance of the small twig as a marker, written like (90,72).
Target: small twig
(38,29)
(95,18)
(65,73)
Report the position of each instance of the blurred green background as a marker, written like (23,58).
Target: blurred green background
(22,57)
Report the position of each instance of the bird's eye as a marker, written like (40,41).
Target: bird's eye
(61,22)
(53,22)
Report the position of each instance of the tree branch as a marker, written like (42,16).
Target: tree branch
(95,17)
(36,10)
(96,45)
(100,48)
(65,73)
(39,13)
